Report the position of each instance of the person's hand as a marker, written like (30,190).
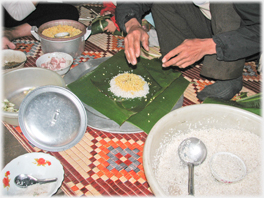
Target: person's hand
(7,44)
(106,13)
(110,26)
(135,35)
(190,51)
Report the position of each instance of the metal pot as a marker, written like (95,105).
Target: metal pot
(73,45)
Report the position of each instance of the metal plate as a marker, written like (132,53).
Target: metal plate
(52,118)
(82,69)
(96,119)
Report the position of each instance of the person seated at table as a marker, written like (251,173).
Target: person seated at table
(222,35)
(20,16)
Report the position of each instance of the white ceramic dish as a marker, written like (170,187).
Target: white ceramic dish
(196,117)
(47,57)
(40,165)
(9,55)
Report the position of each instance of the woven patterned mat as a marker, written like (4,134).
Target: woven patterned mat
(103,163)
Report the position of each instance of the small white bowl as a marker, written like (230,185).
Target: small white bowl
(231,169)
(47,58)
(37,164)
(9,55)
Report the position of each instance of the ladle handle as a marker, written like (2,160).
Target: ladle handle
(190,179)
(34,31)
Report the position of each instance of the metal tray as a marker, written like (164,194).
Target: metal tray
(94,118)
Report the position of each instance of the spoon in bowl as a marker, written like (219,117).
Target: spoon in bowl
(192,152)
(61,34)
(24,180)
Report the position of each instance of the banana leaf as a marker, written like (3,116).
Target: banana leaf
(99,23)
(84,89)
(136,104)
(251,103)
(162,105)
(165,90)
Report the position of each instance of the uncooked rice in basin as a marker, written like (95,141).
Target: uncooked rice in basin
(172,174)
(128,85)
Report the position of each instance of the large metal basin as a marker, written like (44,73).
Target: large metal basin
(17,81)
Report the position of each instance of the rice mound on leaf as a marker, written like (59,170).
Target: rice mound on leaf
(129,85)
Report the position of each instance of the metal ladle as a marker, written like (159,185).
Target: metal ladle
(192,152)
(24,180)
(61,34)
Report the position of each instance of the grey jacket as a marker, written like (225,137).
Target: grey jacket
(233,45)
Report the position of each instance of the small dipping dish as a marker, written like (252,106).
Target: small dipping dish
(12,60)
(227,167)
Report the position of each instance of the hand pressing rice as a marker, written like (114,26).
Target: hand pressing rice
(128,85)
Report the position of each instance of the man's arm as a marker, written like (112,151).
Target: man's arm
(128,17)
(126,11)
(243,42)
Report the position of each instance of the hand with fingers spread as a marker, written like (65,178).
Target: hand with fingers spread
(189,52)
(136,35)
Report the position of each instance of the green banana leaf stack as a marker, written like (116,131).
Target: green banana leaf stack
(249,103)
(165,88)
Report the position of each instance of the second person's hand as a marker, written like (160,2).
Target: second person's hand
(190,51)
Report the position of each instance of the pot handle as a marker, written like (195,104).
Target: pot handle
(34,31)
(88,32)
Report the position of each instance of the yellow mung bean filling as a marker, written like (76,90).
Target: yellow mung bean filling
(129,82)
(50,32)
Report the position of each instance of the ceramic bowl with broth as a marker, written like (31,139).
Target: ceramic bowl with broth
(12,60)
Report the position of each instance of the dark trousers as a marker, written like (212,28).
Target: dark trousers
(176,22)
(44,12)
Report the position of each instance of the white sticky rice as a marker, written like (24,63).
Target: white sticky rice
(130,94)
(172,174)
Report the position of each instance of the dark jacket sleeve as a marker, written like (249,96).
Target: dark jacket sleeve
(243,42)
(130,10)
